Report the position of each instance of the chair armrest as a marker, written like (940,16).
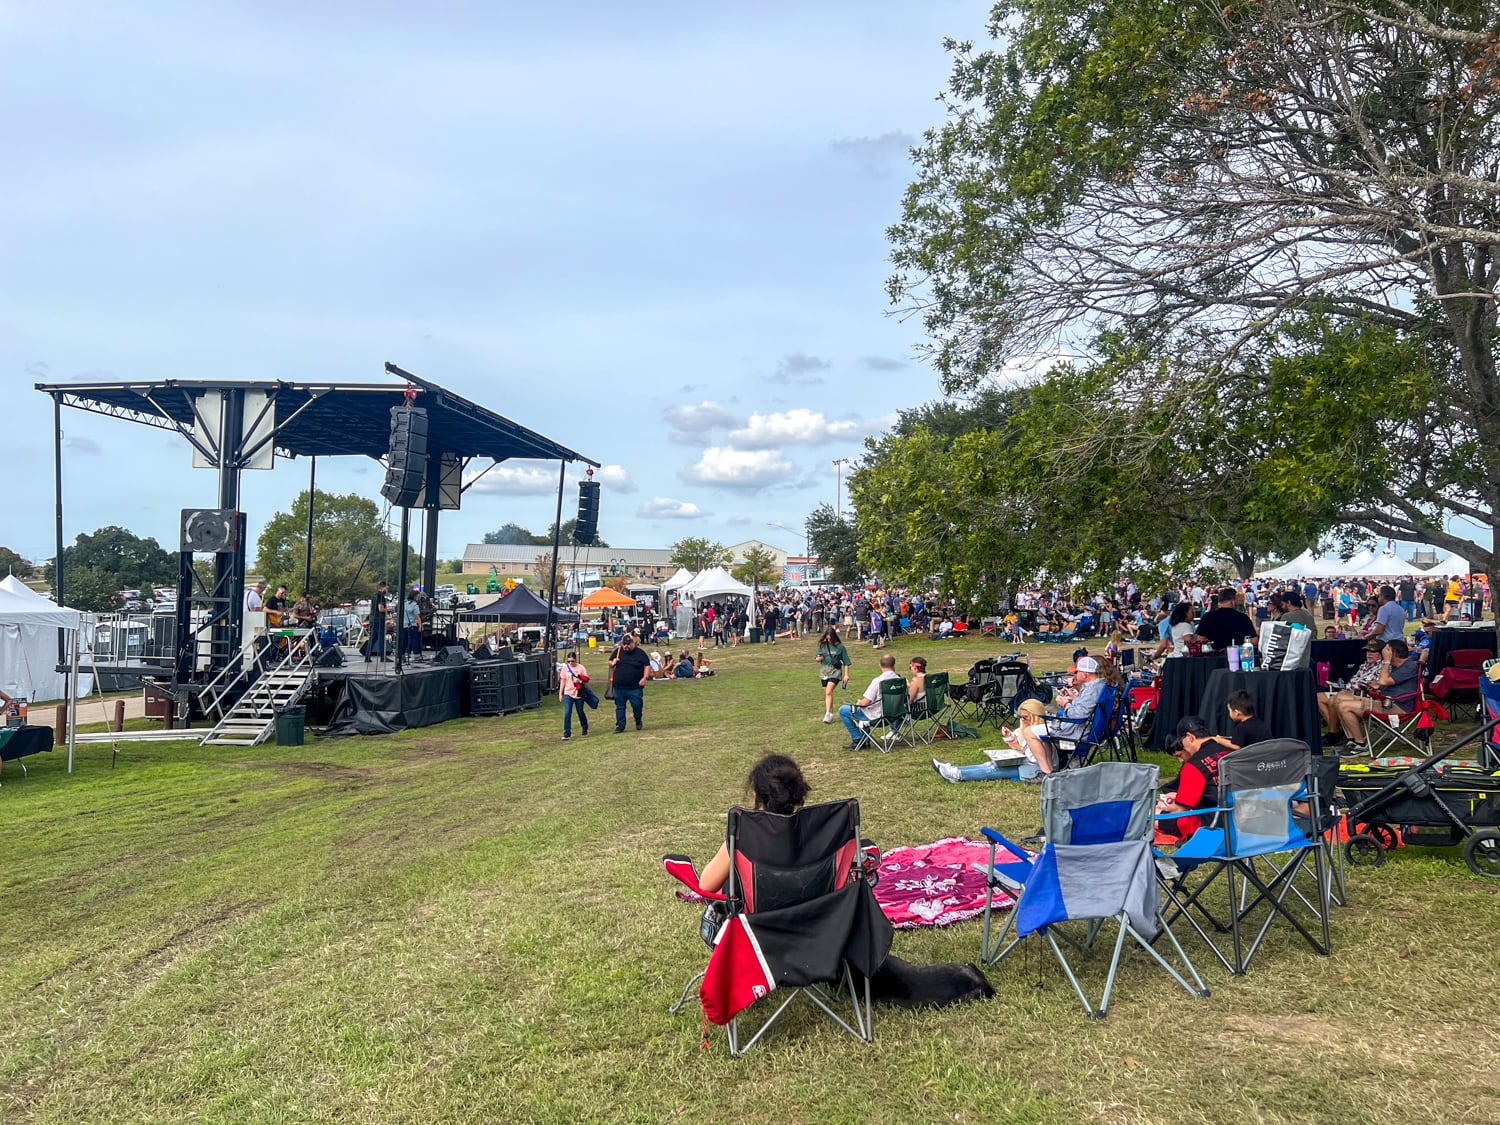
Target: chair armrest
(1206,813)
(681,868)
(1015,849)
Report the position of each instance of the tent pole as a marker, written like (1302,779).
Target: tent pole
(73,694)
(312,499)
(401,592)
(57,559)
(549,639)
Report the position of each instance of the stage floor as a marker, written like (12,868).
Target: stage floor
(355,665)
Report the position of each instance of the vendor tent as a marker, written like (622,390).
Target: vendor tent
(1387,564)
(1453,564)
(28,649)
(605,598)
(1297,568)
(715,582)
(518,605)
(678,580)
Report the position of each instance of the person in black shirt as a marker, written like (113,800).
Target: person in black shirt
(379,607)
(1248,729)
(628,670)
(1225,625)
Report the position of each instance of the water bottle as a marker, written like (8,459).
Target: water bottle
(1247,657)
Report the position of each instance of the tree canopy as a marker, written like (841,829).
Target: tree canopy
(351,550)
(96,567)
(13,563)
(1275,191)
(513,534)
(696,553)
(836,543)
(758,567)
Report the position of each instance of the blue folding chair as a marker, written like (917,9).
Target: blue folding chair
(1096,867)
(1259,839)
(1075,742)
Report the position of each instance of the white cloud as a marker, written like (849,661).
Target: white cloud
(615,478)
(691,424)
(799,426)
(739,468)
(663,508)
(798,368)
(514,478)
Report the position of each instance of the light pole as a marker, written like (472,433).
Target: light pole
(838,493)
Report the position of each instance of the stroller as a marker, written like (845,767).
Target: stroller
(1433,803)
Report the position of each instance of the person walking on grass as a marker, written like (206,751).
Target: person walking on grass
(628,668)
(833,667)
(570,681)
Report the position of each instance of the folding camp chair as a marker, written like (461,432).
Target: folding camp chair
(1254,838)
(1096,867)
(1457,686)
(1013,682)
(895,717)
(933,708)
(1388,730)
(1076,742)
(798,913)
(1489,697)
(969,697)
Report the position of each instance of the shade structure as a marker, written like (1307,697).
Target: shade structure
(716,582)
(1296,568)
(678,580)
(1453,564)
(28,648)
(519,605)
(1387,564)
(605,598)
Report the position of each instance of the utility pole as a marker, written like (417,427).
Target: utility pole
(838,496)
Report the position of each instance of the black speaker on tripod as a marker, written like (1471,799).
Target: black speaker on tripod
(586,530)
(406,465)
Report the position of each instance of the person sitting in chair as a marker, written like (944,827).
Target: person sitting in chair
(1197,784)
(1026,738)
(1397,683)
(868,705)
(778,787)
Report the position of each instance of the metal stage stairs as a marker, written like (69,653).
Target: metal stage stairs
(251,718)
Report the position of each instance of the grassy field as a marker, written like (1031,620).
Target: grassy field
(469,924)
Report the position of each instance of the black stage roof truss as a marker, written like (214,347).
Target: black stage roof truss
(323,419)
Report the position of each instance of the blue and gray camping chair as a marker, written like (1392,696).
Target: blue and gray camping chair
(1260,840)
(1097,867)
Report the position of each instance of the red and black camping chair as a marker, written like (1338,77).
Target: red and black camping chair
(797,914)
(1457,685)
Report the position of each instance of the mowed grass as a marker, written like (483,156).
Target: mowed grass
(469,923)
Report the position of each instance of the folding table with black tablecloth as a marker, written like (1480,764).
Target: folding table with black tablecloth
(1183,679)
(19,742)
(1287,701)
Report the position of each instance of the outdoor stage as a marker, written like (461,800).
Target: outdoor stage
(373,698)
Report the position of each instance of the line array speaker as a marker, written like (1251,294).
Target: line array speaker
(406,465)
(587,528)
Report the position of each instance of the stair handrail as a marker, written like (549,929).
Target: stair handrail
(211,698)
(300,657)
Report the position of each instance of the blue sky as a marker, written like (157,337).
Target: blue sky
(653,232)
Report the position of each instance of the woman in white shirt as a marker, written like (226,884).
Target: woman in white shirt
(1172,644)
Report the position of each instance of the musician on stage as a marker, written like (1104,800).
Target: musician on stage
(305,612)
(275,607)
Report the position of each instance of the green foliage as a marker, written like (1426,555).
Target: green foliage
(835,542)
(758,567)
(513,534)
(12,563)
(351,551)
(96,567)
(696,553)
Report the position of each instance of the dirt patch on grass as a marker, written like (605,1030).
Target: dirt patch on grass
(326,770)
(150,966)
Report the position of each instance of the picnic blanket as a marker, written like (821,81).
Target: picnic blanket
(936,884)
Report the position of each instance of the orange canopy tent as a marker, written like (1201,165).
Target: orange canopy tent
(605,598)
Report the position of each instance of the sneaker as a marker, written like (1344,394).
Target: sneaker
(946,772)
(1035,840)
(1354,749)
(828,716)
(567,738)
(619,730)
(855,746)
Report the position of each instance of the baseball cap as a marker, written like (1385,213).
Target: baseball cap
(1374,644)
(1087,664)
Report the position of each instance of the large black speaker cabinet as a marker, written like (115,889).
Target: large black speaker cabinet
(330,658)
(452,654)
(406,465)
(587,528)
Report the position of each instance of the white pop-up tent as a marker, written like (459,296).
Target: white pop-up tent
(1387,564)
(28,649)
(716,582)
(1300,567)
(678,580)
(1453,564)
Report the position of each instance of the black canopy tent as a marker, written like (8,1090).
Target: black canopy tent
(519,605)
(249,421)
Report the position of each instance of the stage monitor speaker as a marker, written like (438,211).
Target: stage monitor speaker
(484,652)
(586,530)
(452,654)
(330,658)
(209,530)
(406,463)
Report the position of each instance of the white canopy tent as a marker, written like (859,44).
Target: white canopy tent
(1296,568)
(678,580)
(716,582)
(28,649)
(1453,564)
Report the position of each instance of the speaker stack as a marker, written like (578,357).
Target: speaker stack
(406,465)
(586,530)
(452,654)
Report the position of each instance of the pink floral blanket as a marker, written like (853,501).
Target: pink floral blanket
(936,884)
